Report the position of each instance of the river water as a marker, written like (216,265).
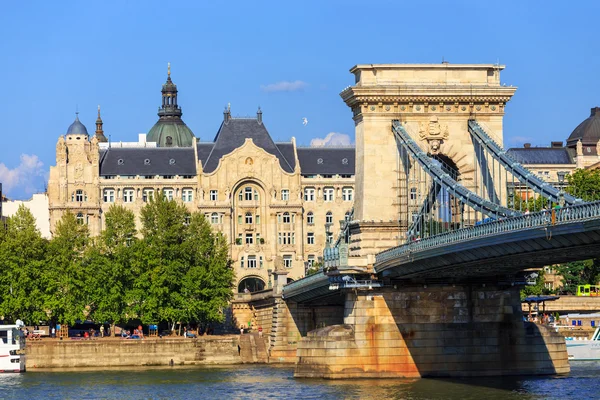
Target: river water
(267,382)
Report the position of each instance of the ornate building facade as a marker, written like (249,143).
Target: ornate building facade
(278,204)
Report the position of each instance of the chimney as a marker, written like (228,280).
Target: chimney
(556,145)
(527,145)
(226,115)
(259,115)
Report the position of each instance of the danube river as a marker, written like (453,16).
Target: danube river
(266,382)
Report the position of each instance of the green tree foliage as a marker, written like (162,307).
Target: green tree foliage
(578,273)
(63,277)
(533,203)
(177,271)
(107,267)
(22,256)
(535,290)
(584,183)
(183,269)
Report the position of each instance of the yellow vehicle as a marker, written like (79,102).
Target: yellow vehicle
(588,290)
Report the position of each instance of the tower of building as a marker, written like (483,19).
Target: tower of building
(170,130)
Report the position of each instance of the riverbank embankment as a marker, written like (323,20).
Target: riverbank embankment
(116,352)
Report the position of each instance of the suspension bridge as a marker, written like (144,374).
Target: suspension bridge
(424,278)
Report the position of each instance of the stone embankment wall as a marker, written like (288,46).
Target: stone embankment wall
(113,352)
(433,331)
(570,304)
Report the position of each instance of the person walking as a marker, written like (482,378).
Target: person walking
(101,330)
(53,332)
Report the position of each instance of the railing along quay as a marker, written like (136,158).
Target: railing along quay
(542,219)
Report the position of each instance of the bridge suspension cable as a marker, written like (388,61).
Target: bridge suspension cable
(532,181)
(443,178)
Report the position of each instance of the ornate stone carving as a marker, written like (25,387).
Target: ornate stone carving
(434,133)
(61,150)
(278,262)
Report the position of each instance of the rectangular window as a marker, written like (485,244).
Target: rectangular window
(187,195)
(148,176)
(249,238)
(327,176)
(287,261)
(109,195)
(251,261)
(347,194)
(287,238)
(309,194)
(328,194)
(168,194)
(214,195)
(239,219)
(258,220)
(168,177)
(128,196)
(285,194)
(147,195)
(329,237)
(248,218)
(310,238)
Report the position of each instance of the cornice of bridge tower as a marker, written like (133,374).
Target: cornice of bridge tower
(439,88)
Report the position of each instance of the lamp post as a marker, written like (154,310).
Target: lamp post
(561,194)
(511,196)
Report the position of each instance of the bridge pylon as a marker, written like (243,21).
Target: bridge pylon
(435,103)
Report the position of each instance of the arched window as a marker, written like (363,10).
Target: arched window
(248,218)
(80,219)
(328,193)
(310,218)
(80,196)
(214,218)
(329,218)
(248,193)
(251,284)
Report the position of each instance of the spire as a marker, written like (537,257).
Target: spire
(168,70)
(99,131)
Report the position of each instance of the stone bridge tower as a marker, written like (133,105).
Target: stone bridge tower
(434,102)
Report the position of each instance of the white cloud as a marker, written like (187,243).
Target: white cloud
(284,86)
(26,178)
(332,139)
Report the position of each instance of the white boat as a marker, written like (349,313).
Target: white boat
(584,349)
(12,349)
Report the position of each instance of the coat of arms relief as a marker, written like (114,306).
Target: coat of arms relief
(434,133)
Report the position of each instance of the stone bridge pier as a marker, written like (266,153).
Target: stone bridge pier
(431,331)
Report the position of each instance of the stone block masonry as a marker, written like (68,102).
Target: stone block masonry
(112,352)
(460,331)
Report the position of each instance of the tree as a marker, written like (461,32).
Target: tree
(64,277)
(107,268)
(584,183)
(578,273)
(22,254)
(183,272)
(158,265)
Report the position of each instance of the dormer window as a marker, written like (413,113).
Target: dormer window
(120,161)
(147,161)
(172,161)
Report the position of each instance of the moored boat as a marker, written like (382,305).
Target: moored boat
(12,349)
(584,349)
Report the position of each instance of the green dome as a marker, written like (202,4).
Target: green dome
(170,134)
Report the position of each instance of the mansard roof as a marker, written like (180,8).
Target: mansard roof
(327,160)
(542,155)
(147,161)
(233,133)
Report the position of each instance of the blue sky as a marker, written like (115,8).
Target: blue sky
(57,56)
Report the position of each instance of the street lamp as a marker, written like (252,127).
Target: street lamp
(511,196)
(561,194)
